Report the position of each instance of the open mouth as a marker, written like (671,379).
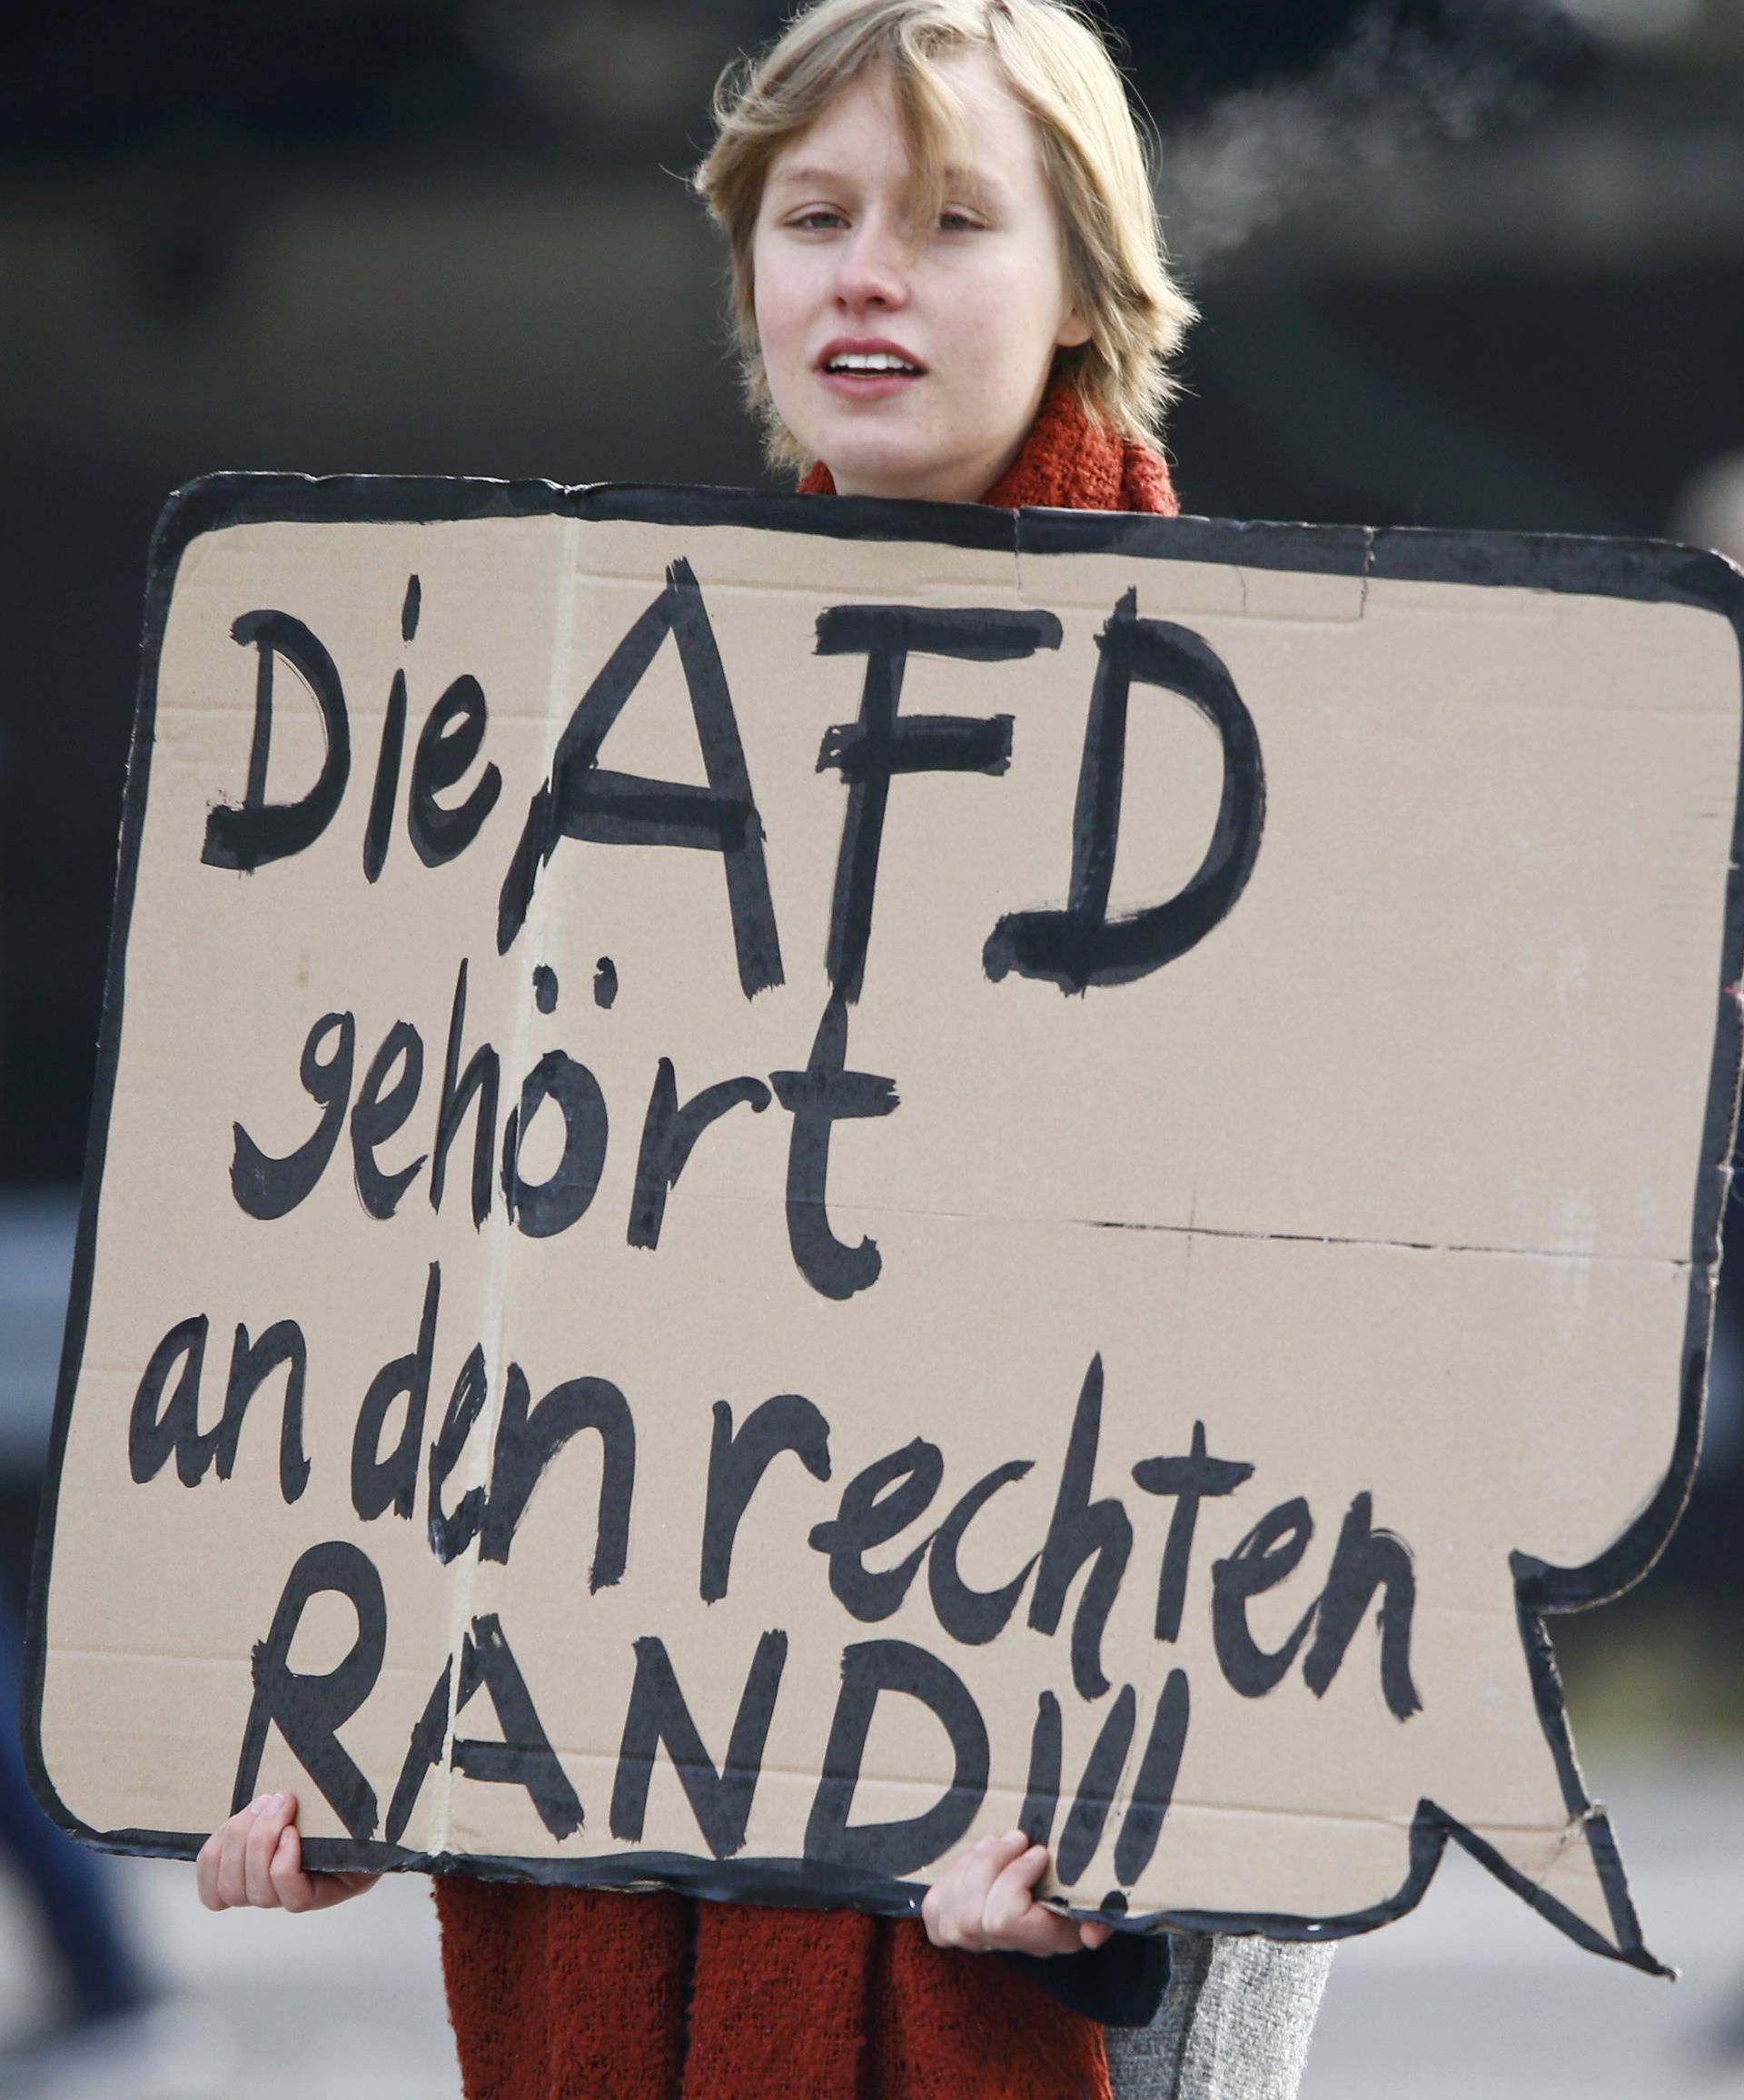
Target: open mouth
(871,365)
(867,367)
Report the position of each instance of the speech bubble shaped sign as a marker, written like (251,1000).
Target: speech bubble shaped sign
(779,1181)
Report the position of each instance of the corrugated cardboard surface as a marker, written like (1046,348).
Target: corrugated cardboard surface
(1387,1181)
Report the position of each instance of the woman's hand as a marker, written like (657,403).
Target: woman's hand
(983,1902)
(255,1860)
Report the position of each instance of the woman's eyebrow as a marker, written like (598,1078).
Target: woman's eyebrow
(968,183)
(973,187)
(806,178)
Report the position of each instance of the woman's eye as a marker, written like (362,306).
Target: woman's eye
(819,220)
(956,223)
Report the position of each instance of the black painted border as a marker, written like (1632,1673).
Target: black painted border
(1643,570)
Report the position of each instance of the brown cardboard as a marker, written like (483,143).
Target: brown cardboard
(1385,1180)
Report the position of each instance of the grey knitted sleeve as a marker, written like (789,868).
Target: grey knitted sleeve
(1234,2022)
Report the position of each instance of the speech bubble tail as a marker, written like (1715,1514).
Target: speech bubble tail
(1573,1877)
(1562,1857)
(1526,1814)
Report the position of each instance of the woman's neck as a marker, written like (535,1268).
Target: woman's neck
(1067,461)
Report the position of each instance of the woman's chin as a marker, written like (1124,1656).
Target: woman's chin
(897,472)
(872,449)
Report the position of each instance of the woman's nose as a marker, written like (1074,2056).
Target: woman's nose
(873,269)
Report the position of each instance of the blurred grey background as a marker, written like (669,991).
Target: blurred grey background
(1462,262)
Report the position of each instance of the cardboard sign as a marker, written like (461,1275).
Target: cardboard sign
(781,1181)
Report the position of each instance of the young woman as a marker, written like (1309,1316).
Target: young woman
(947,286)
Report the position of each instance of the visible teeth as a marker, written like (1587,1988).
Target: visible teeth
(869,361)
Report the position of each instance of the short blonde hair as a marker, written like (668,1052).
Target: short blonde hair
(1056,65)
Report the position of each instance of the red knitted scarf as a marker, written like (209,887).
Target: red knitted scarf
(578,1994)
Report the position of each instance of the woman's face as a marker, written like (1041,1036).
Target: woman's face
(912,360)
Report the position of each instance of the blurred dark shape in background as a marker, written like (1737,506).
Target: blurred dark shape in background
(1463,263)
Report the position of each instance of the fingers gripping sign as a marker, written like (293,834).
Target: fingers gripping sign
(254,1861)
(984,1903)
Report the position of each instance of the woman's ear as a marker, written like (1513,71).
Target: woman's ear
(1073,331)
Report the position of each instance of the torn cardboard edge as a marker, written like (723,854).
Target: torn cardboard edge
(805,1885)
(1643,572)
